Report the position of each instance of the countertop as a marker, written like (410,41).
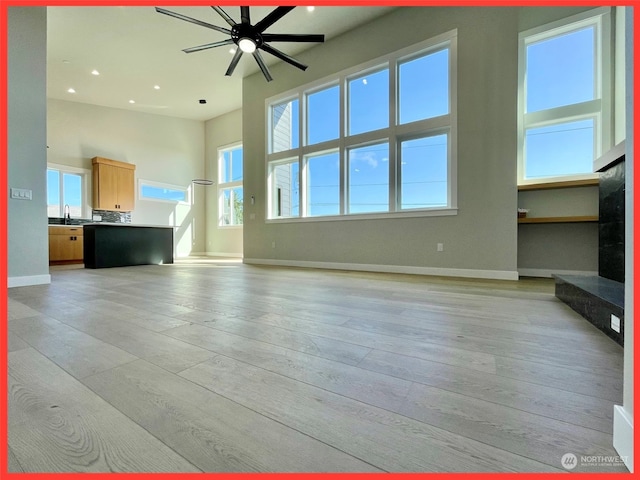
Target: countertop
(110,224)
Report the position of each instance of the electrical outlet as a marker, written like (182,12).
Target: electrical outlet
(273,244)
(615,323)
(252,216)
(440,247)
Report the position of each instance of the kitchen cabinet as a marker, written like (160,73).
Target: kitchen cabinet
(66,244)
(113,185)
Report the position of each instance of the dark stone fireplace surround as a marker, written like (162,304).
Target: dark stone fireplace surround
(596,298)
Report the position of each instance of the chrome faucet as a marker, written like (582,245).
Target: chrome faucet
(67,214)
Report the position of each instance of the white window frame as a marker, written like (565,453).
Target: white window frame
(392,134)
(86,186)
(223,186)
(600,109)
(167,186)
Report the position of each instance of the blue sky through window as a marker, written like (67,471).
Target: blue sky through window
(160,193)
(562,149)
(323,184)
(369,102)
(424,172)
(369,179)
(561,70)
(323,115)
(71,193)
(424,87)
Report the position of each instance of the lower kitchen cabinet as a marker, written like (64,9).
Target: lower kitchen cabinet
(66,244)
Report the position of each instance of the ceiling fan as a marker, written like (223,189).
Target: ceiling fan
(250,38)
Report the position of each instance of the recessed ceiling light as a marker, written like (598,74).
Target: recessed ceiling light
(132,101)
(157,87)
(66,61)
(95,72)
(232,51)
(311,9)
(71,90)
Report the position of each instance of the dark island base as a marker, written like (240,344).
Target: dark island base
(120,246)
(596,299)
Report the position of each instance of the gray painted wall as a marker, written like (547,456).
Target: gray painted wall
(28,246)
(221,132)
(483,236)
(164,149)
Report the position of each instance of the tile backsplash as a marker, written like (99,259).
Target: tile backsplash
(113,217)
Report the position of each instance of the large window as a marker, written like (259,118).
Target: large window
(564,119)
(376,140)
(230,190)
(67,186)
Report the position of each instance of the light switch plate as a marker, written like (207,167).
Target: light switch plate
(21,193)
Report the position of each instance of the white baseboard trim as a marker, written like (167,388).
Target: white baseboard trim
(623,435)
(222,254)
(547,273)
(28,281)
(364,267)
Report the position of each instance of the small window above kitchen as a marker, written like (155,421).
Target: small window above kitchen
(162,192)
(67,186)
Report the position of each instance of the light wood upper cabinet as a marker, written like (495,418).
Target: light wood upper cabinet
(113,185)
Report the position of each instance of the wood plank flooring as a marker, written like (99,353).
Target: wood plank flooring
(215,366)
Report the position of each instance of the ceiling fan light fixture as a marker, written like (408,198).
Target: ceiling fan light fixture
(250,38)
(247,45)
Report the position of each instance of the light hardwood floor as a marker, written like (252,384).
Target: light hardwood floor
(217,366)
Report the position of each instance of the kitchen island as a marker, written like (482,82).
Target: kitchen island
(124,244)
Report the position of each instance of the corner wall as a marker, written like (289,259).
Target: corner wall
(28,245)
(220,132)
(164,149)
(481,240)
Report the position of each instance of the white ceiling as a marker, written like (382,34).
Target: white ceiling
(135,48)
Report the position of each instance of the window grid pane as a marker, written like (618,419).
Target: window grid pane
(285,190)
(323,115)
(369,102)
(369,179)
(236,165)
(285,126)
(561,70)
(424,172)
(237,206)
(424,87)
(323,184)
(54,206)
(560,149)
(226,208)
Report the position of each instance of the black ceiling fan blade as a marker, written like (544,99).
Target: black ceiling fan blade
(193,20)
(245,17)
(208,45)
(272,18)
(283,56)
(292,37)
(224,15)
(262,65)
(234,62)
